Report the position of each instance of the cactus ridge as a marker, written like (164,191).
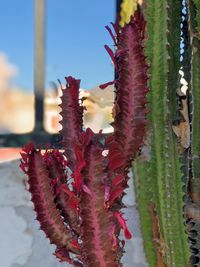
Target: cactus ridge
(72,118)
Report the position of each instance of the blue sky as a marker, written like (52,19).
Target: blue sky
(75,36)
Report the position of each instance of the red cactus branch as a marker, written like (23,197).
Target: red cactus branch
(43,199)
(99,229)
(65,199)
(72,119)
(131,89)
(131,85)
(81,214)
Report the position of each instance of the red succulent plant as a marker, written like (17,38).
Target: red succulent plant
(77,194)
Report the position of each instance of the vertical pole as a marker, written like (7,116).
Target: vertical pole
(118,7)
(39,64)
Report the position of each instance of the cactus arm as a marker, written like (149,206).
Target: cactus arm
(72,119)
(99,226)
(162,169)
(65,199)
(131,90)
(43,199)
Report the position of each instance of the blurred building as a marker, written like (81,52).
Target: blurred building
(98,114)
(99,105)
(17,105)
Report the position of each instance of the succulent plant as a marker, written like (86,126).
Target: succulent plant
(169,162)
(77,193)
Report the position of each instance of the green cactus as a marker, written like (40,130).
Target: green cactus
(193,189)
(157,171)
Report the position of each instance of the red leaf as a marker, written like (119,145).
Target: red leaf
(63,255)
(122,222)
(115,194)
(111,34)
(77,179)
(117,180)
(23,167)
(87,137)
(24,156)
(105,85)
(116,161)
(28,148)
(75,244)
(111,54)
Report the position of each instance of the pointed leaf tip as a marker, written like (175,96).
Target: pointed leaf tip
(105,85)
(28,148)
(111,34)
(111,54)
(123,224)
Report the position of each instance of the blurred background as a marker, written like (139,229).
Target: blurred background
(75,36)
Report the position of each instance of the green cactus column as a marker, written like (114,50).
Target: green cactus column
(157,171)
(193,208)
